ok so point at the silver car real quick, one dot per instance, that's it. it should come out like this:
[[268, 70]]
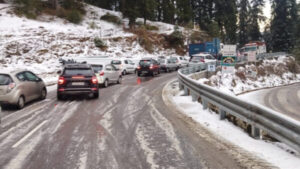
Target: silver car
[[106, 74], [167, 65], [19, 87]]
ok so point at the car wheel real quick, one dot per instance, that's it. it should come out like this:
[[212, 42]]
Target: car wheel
[[21, 102], [158, 71], [124, 72], [60, 97], [152, 74], [96, 95], [43, 94], [120, 80], [105, 83], [138, 74]]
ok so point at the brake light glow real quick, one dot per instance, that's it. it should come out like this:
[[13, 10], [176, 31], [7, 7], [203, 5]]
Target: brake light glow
[[61, 80], [101, 73], [94, 80], [151, 66], [139, 67]]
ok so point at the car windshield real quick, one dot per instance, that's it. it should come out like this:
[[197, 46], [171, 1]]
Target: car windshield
[[145, 62], [78, 71], [4, 79], [97, 68], [116, 62]]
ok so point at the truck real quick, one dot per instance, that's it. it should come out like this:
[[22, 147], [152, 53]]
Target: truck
[[206, 47], [252, 50]]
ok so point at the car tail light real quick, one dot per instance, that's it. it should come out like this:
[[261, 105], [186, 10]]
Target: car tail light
[[151, 66], [94, 80], [139, 67], [11, 86], [61, 80], [101, 73]]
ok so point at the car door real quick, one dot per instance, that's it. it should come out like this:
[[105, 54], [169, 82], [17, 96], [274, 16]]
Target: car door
[[115, 73], [34, 85], [109, 73]]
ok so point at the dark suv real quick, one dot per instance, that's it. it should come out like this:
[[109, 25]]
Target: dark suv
[[77, 79], [148, 66]]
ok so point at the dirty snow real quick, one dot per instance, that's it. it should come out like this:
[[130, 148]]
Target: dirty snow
[[275, 153], [271, 73], [38, 44]]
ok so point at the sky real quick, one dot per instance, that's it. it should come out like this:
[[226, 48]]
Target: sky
[[267, 12]]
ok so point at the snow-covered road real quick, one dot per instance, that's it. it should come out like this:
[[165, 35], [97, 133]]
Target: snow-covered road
[[129, 126]]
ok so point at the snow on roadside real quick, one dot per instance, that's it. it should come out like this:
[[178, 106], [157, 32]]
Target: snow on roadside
[[275, 153], [38, 44], [247, 78]]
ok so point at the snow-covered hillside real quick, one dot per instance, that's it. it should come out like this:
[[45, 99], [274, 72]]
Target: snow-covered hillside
[[270, 73], [38, 44]]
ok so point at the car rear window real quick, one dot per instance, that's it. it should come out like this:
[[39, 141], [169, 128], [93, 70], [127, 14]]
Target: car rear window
[[97, 68], [116, 62], [5, 79], [78, 71], [197, 58], [145, 62], [161, 60]]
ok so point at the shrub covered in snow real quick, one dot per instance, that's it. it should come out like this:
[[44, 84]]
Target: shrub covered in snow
[[111, 18]]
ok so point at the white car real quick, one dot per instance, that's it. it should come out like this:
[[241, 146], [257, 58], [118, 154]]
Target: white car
[[201, 60], [106, 74], [180, 61], [124, 65]]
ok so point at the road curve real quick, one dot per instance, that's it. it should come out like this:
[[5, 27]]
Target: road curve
[[128, 127], [284, 99]]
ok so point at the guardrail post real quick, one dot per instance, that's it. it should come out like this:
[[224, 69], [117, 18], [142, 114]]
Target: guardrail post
[[204, 103], [222, 114], [194, 97], [255, 132], [186, 91]]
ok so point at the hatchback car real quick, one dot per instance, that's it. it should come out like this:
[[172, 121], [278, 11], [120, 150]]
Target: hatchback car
[[19, 87], [77, 79], [125, 65], [167, 65], [106, 74], [148, 66]]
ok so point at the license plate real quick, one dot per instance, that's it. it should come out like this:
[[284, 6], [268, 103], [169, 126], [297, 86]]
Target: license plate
[[144, 72], [77, 83]]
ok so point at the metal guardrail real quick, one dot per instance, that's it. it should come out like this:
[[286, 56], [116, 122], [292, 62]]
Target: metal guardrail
[[260, 118]]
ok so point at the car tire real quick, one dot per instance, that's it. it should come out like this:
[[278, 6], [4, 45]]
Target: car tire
[[21, 102], [43, 94], [152, 74], [105, 84], [124, 72], [60, 97], [138, 74], [119, 80], [167, 70], [96, 95]]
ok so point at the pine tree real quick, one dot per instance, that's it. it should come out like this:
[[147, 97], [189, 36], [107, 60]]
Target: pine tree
[[131, 11], [184, 12], [168, 11], [243, 21], [256, 16], [147, 9], [283, 25]]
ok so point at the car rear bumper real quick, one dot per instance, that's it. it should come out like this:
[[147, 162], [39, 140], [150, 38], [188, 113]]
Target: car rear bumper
[[78, 91], [8, 99]]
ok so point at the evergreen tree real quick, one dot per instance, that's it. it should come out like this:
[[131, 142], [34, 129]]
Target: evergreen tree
[[256, 16], [147, 9], [184, 12], [243, 21], [283, 25], [131, 11], [168, 11]]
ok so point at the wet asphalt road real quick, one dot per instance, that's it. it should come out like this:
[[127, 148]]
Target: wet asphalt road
[[128, 127], [284, 99]]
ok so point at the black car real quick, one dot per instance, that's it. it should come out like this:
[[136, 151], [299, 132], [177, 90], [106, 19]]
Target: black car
[[148, 66], [77, 79]]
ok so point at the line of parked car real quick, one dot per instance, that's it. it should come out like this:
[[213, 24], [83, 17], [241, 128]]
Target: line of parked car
[[85, 75]]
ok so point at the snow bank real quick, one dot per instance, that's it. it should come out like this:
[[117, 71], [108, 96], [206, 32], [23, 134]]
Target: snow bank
[[270, 73]]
